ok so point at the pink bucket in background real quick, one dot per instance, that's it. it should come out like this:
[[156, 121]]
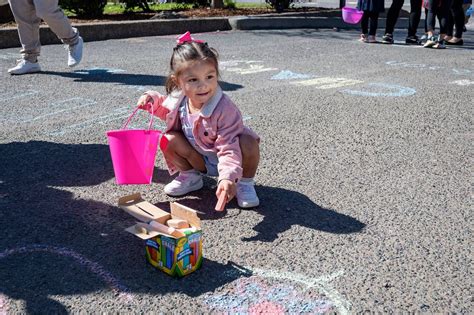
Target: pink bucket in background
[[133, 153], [351, 15]]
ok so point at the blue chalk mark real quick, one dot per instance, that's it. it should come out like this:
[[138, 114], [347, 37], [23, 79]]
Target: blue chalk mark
[[288, 75], [96, 70], [461, 71], [400, 91], [8, 96]]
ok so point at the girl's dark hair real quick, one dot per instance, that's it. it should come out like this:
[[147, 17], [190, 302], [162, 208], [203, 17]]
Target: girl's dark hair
[[185, 53]]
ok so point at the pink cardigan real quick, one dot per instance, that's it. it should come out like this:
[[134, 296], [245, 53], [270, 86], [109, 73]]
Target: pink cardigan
[[216, 130]]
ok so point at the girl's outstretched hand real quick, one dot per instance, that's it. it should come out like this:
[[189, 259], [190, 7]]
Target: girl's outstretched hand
[[145, 102], [229, 187]]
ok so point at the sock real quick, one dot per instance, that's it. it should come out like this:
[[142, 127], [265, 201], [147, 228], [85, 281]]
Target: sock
[[246, 180], [190, 172]]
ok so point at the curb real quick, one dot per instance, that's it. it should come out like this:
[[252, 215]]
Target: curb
[[126, 29]]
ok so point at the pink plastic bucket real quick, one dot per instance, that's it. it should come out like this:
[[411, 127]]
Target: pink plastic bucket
[[133, 153], [351, 15]]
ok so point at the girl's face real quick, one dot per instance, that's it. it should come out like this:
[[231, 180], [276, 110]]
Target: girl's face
[[198, 81]]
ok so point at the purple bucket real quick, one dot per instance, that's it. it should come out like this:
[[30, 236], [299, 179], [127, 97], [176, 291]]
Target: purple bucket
[[351, 15]]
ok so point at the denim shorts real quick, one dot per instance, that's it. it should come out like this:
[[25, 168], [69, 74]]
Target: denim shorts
[[211, 166]]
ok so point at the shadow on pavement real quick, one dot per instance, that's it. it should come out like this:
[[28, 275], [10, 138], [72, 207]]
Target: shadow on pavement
[[54, 242], [283, 208], [111, 76]]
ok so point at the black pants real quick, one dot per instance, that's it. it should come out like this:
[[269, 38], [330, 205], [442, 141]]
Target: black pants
[[394, 11], [440, 9], [374, 20], [456, 19]]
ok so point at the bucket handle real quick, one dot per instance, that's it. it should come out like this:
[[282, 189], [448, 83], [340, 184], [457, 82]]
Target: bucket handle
[[133, 114]]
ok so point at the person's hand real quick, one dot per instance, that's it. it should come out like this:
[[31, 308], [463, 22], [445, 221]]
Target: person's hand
[[145, 102], [229, 187]]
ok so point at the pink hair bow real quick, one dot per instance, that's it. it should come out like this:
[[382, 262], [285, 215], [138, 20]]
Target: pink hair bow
[[186, 37]]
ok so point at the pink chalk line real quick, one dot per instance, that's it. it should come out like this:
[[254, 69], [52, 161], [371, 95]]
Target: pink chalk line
[[3, 305], [123, 293]]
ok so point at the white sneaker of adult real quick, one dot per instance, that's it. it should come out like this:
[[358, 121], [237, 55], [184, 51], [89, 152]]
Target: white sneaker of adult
[[184, 183], [24, 66], [75, 53], [246, 194]]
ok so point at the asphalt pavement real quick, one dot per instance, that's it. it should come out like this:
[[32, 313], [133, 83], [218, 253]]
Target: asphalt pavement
[[364, 180]]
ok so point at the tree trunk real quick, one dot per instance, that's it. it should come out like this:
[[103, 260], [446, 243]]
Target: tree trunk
[[217, 4]]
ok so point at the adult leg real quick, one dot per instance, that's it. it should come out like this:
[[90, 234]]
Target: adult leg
[[50, 12], [250, 155], [364, 23], [415, 15], [444, 17], [431, 17], [392, 15], [430, 24], [28, 28], [450, 25], [374, 20], [458, 13]]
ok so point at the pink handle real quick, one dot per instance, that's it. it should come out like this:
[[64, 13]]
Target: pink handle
[[133, 114]]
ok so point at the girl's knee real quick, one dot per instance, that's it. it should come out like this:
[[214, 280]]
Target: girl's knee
[[177, 143], [249, 146]]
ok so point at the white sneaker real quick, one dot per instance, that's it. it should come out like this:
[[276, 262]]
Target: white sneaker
[[75, 53], [246, 194], [184, 183], [24, 66]]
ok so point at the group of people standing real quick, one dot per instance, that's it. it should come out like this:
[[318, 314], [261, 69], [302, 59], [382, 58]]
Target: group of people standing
[[451, 15]]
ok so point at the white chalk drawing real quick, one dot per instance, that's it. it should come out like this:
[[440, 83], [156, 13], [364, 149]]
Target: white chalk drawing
[[462, 71], [12, 95], [63, 106], [115, 285], [137, 87], [117, 114], [288, 75], [8, 56], [294, 294], [403, 64], [245, 67], [134, 40], [381, 90], [463, 82], [97, 70], [327, 82]]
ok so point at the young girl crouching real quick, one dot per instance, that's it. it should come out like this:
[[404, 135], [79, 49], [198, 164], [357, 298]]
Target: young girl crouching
[[204, 128]]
